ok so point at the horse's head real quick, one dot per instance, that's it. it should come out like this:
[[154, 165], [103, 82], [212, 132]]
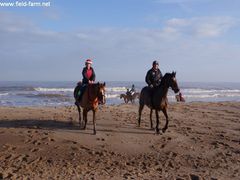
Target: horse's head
[[169, 80], [173, 82], [101, 93]]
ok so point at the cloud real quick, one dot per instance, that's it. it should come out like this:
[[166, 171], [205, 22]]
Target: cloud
[[203, 26], [34, 53]]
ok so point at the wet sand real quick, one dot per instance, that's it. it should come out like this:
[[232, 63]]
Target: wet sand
[[202, 142]]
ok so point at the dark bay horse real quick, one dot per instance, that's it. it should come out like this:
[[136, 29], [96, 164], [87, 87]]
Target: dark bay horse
[[93, 95], [127, 97], [124, 97], [156, 99]]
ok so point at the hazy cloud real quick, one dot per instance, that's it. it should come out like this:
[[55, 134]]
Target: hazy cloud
[[203, 26], [33, 53]]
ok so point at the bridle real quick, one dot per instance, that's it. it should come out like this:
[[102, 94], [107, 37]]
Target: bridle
[[101, 96]]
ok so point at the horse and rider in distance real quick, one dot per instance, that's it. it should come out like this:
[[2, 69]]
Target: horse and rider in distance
[[130, 95], [88, 94]]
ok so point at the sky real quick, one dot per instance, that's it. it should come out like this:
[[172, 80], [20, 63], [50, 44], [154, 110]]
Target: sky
[[199, 39]]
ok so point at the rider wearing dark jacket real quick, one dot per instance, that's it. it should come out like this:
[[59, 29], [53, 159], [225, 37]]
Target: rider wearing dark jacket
[[154, 75], [88, 73]]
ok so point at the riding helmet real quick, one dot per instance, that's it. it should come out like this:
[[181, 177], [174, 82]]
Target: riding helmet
[[155, 63]]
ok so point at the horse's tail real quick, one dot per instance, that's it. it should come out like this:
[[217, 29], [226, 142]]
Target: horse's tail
[[142, 95]]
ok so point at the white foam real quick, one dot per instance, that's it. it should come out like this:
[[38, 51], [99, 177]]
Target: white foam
[[199, 96], [116, 89], [197, 91], [112, 96], [54, 89], [3, 94]]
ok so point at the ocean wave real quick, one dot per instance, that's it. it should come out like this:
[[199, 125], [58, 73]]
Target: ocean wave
[[54, 89], [17, 88], [112, 96], [198, 91], [212, 95], [200, 96], [49, 95], [4, 94], [116, 89]]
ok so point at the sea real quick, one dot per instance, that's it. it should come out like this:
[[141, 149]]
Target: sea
[[61, 93]]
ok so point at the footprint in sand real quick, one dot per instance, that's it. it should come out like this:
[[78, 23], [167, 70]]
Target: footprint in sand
[[194, 177], [36, 142], [34, 150]]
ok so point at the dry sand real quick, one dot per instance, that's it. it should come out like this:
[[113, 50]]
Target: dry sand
[[202, 142]]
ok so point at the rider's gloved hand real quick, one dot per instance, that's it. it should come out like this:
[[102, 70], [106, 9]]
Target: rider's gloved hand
[[151, 86]]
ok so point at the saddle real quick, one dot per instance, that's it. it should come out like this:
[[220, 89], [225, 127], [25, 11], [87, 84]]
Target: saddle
[[79, 91]]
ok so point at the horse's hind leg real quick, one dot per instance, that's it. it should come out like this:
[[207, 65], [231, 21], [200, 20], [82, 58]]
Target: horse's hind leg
[[166, 116], [85, 118], [151, 123], [157, 121], [140, 113], [79, 113], [94, 122]]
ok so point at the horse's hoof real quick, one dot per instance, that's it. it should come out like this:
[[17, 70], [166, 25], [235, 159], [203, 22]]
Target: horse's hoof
[[164, 130], [94, 132]]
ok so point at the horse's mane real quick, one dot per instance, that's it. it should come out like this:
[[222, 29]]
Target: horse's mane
[[164, 79]]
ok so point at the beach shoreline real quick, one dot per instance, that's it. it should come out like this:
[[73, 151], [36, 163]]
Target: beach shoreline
[[202, 142]]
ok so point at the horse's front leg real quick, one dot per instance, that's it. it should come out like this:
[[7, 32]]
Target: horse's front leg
[[79, 113], [157, 121], [151, 123], [85, 118], [166, 116], [140, 113], [94, 122]]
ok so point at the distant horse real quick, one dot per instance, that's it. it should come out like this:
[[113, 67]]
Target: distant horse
[[93, 95], [127, 97], [124, 97], [157, 99]]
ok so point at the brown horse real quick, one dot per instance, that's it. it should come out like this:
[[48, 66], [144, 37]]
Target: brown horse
[[157, 99], [93, 95], [124, 97], [127, 97]]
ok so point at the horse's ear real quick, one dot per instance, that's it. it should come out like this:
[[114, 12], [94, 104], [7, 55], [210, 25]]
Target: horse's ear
[[174, 73], [98, 83], [104, 84]]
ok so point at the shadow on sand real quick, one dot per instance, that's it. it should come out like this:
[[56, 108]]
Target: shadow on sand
[[61, 125]]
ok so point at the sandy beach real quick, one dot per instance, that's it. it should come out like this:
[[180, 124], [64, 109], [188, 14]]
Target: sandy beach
[[202, 142]]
